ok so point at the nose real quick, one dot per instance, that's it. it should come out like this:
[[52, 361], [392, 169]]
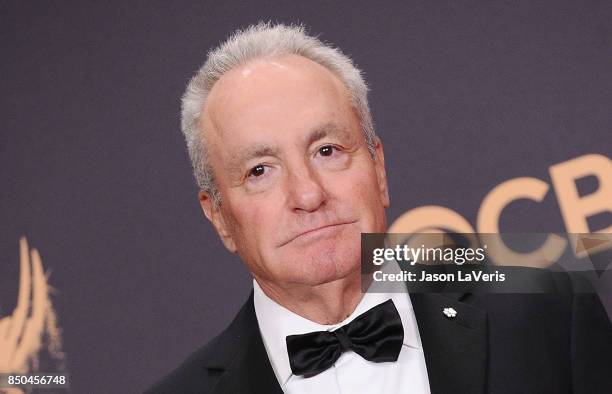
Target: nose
[[305, 190]]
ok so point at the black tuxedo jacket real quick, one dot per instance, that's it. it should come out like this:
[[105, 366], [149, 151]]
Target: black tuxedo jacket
[[497, 343]]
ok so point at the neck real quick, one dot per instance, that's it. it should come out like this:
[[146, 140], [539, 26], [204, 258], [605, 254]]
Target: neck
[[327, 303]]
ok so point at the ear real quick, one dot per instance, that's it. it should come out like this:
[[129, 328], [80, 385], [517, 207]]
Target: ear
[[214, 214], [381, 173]]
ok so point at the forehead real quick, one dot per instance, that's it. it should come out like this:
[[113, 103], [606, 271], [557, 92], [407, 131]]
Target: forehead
[[289, 93]]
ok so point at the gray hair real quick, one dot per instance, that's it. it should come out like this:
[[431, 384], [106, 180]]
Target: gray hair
[[263, 40]]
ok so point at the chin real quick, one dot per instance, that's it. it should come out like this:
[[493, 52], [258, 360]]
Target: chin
[[326, 263]]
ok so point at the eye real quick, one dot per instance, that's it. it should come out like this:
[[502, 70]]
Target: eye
[[327, 150], [257, 171]]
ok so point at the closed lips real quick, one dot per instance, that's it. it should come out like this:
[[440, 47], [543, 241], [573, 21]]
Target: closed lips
[[314, 229]]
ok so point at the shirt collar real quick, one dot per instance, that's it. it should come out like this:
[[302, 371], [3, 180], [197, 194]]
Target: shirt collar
[[276, 323]]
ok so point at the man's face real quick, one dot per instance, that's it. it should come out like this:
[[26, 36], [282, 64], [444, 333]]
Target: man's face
[[297, 182]]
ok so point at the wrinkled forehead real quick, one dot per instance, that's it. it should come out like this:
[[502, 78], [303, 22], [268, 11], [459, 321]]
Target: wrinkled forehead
[[271, 92]]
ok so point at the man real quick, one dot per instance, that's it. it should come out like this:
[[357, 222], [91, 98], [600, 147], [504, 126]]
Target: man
[[291, 173]]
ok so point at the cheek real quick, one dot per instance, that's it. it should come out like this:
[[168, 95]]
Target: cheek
[[253, 224], [360, 185], [363, 191]]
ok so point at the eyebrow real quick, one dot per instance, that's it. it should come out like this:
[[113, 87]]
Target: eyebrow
[[330, 129], [252, 152]]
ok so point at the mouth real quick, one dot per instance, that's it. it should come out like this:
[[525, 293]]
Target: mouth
[[316, 232]]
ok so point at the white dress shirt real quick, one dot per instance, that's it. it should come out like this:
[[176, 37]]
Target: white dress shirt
[[350, 373]]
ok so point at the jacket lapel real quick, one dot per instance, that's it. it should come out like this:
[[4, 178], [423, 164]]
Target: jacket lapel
[[455, 348], [249, 370]]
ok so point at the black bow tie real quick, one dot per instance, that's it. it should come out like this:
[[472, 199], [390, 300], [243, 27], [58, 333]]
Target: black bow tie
[[377, 335]]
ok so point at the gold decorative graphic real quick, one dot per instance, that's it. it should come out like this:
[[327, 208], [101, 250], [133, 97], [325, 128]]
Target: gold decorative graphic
[[575, 209], [32, 327], [592, 243]]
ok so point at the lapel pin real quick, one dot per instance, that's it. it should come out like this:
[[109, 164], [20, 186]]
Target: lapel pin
[[450, 312]]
